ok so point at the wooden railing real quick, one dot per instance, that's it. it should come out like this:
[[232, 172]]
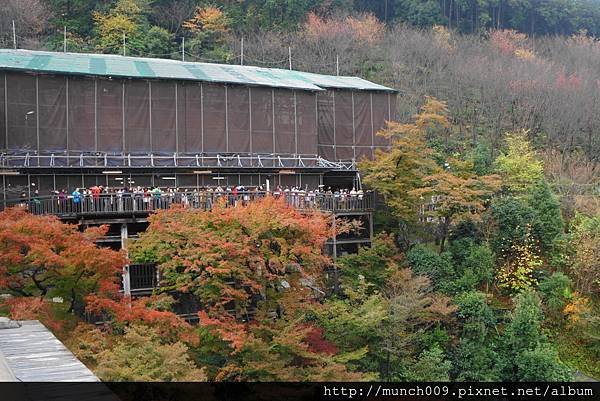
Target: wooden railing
[[119, 204]]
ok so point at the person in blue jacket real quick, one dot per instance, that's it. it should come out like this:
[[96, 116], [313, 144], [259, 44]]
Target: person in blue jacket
[[76, 197]]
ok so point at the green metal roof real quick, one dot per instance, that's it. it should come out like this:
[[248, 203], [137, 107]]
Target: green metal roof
[[151, 68]]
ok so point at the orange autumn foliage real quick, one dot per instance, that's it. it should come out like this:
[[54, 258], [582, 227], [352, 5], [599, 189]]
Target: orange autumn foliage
[[253, 268], [125, 311], [207, 19], [364, 29], [40, 256], [230, 255], [32, 308]]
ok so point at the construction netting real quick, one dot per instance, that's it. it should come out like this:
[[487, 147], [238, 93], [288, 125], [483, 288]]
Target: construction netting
[[69, 114]]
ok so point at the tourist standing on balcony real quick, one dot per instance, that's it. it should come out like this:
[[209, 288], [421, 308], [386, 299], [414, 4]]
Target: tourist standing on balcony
[[218, 193], [195, 198], [120, 199], [95, 190], [234, 196], [76, 198], [258, 192], [62, 200], [209, 197], [184, 197], [138, 198], [156, 196], [295, 197], [145, 198], [353, 196]]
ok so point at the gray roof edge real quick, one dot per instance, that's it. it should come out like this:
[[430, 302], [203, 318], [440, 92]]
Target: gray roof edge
[[125, 76]]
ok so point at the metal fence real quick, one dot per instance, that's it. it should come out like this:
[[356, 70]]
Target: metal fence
[[143, 277], [16, 159]]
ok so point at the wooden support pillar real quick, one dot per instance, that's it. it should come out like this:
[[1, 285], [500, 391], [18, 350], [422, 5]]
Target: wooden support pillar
[[125, 276], [371, 228], [334, 239]]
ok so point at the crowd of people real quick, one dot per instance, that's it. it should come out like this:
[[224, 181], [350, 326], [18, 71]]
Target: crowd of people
[[100, 198]]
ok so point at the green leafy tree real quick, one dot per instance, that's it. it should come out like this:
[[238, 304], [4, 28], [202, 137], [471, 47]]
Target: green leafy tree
[[476, 358], [473, 265], [518, 165], [439, 268], [482, 159], [524, 331], [159, 43], [395, 174], [466, 229], [540, 364], [371, 264], [391, 323], [125, 19], [556, 292], [512, 219], [76, 15], [465, 266], [354, 322], [548, 224], [141, 355], [524, 342], [432, 366], [476, 361]]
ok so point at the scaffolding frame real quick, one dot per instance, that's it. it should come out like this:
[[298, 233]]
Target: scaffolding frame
[[17, 160]]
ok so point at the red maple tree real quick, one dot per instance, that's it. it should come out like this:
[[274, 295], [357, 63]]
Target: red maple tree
[[42, 257]]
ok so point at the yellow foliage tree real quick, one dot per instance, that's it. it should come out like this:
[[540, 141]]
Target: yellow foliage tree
[[456, 196], [141, 355], [123, 19], [207, 19], [585, 266], [396, 173], [519, 165], [209, 28], [517, 273]]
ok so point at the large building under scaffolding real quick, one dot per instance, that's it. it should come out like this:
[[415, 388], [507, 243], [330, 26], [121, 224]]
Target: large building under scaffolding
[[69, 119], [72, 120]]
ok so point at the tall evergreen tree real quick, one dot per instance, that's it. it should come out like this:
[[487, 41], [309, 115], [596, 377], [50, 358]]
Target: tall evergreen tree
[[549, 223], [527, 355]]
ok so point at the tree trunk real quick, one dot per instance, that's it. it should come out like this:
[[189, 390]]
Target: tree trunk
[[72, 301]]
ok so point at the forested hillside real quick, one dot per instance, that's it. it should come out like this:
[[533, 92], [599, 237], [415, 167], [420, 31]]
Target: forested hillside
[[487, 262]]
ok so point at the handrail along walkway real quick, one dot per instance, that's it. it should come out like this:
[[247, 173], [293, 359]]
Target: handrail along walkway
[[118, 204]]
